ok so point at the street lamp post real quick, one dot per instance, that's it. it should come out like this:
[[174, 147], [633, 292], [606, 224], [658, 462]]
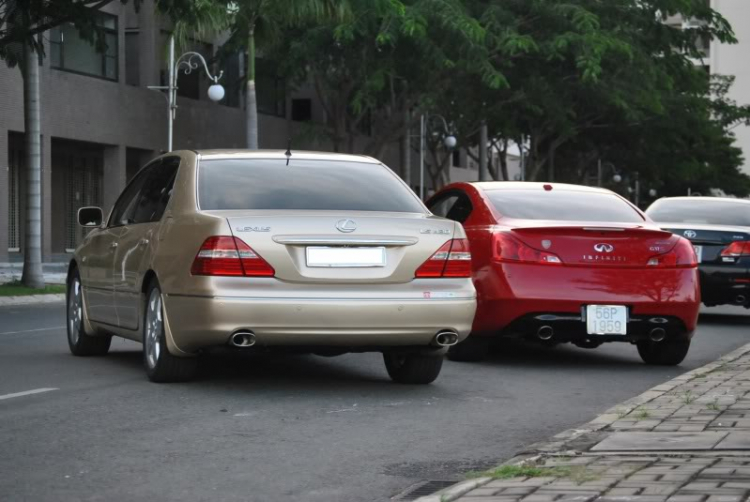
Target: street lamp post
[[448, 140], [188, 62]]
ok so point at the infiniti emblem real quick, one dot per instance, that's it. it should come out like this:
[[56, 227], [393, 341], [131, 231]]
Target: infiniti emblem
[[346, 226], [690, 234], [604, 248]]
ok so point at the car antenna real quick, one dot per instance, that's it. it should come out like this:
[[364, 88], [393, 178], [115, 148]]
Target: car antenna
[[288, 152]]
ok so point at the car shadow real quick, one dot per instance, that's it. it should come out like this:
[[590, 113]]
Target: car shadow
[[525, 353]]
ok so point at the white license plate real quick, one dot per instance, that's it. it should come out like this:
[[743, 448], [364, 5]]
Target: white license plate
[[606, 319], [341, 257], [699, 253]]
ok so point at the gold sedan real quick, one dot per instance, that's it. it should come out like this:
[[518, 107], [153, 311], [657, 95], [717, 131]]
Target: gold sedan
[[314, 252]]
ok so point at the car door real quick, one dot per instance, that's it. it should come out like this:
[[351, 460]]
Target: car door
[[132, 256], [99, 255]]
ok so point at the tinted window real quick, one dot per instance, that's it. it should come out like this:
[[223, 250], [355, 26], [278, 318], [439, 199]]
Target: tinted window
[[713, 212], [563, 205], [303, 184], [122, 213], [156, 191], [441, 206]]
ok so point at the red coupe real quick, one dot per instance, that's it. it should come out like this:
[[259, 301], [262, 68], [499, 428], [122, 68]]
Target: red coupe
[[567, 263]]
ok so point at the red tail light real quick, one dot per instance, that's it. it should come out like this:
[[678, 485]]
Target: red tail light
[[453, 259], [510, 249], [681, 256], [737, 249], [229, 256]]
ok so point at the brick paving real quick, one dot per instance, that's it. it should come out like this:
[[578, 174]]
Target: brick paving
[[687, 440]]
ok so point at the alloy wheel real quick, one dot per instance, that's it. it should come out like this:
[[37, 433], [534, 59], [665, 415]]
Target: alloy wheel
[[154, 327]]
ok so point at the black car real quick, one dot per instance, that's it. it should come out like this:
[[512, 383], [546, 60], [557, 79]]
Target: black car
[[719, 229]]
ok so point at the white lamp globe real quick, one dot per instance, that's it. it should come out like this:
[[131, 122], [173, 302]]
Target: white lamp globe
[[652, 192], [617, 178], [216, 92], [450, 141]]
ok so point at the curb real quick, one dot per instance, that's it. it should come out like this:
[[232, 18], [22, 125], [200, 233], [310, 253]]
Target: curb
[[558, 442], [8, 301]]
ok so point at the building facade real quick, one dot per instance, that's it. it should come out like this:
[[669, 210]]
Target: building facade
[[725, 59]]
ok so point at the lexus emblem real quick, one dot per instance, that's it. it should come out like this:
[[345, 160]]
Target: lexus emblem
[[346, 226], [690, 234], [604, 248]]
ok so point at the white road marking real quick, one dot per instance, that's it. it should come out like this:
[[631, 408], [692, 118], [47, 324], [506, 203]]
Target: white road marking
[[26, 393], [31, 330]]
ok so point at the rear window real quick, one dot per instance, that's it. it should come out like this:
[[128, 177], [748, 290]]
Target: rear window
[[303, 184], [712, 212], [563, 205]]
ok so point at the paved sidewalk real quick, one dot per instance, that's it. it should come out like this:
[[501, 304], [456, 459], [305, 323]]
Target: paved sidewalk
[[687, 440], [54, 273]]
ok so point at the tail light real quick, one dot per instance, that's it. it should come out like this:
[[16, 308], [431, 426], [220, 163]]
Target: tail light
[[453, 259], [681, 256], [737, 249], [229, 256], [509, 249]]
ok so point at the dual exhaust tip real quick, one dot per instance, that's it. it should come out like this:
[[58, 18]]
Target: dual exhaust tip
[[546, 333], [242, 339]]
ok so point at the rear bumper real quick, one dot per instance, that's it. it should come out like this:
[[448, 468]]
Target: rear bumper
[[199, 322], [725, 284], [510, 295]]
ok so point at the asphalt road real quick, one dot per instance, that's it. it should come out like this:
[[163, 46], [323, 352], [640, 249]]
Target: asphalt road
[[289, 428]]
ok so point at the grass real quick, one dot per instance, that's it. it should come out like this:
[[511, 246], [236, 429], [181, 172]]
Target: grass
[[15, 288], [714, 405], [578, 474], [642, 414], [688, 397]]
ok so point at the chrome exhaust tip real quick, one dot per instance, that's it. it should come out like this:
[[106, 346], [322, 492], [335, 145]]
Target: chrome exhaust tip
[[242, 339], [740, 300], [446, 338], [545, 332], [657, 334]]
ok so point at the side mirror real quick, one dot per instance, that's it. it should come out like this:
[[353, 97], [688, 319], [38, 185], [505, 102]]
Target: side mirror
[[90, 216]]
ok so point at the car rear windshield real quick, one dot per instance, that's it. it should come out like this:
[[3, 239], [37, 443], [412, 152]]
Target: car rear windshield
[[563, 205], [712, 212], [303, 184]]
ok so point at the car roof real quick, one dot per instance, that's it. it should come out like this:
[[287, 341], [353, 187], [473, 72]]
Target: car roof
[[705, 199], [281, 155], [488, 186]]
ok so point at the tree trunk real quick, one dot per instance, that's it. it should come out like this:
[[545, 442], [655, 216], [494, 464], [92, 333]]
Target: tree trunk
[[251, 105], [33, 276], [406, 151], [504, 160]]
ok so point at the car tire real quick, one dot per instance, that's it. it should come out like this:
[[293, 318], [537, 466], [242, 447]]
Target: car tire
[[667, 353], [471, 350], [80, 343], [413, 367], [161, 366]]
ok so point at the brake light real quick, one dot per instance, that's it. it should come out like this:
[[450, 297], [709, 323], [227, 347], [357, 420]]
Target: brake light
[[510, 249], [453, 259], [737, 249], [229, 256], [682, 255]]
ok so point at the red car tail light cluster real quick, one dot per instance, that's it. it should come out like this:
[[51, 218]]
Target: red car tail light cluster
[[509, 249], [229, 256], [682, 255], [453, 259], [737, 249]]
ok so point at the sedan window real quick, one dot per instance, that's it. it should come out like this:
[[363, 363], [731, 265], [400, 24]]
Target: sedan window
[[122, 213], [304, 184], [712, 212], [156, 192], [563, 205]]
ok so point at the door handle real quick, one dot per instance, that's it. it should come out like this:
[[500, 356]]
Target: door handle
[[113, 245], [144, 242]]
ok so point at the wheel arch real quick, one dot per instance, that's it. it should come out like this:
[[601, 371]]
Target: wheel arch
[[73, 265]]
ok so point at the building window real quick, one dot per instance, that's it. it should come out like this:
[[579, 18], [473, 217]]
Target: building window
[[70, 52], [132, 58], [302, 110], [269, 89], [456, 158]]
